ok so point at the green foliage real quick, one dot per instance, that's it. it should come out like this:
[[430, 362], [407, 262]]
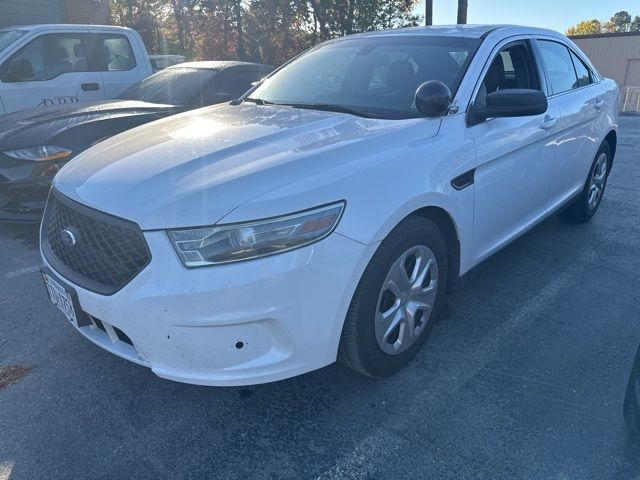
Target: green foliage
[[620, 22], [267, 31]]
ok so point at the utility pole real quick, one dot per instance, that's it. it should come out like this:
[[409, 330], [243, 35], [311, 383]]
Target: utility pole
[[462, 11], [428, 12]]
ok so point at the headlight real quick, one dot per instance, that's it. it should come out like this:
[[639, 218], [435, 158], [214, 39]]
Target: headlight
[[232, 243], [39, 154]]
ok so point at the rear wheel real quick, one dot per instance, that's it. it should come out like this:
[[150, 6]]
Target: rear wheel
[[585, 206], [397, 299], [632, 398]]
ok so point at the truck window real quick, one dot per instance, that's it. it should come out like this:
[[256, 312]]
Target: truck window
[[114, 53], [7, 37], [46, 57]]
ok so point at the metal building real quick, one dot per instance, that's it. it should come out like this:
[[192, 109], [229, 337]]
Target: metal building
[[27, 12], [617, 56]]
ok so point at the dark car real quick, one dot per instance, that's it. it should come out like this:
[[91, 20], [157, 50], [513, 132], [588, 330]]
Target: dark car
[[35, 143], [632, 399]]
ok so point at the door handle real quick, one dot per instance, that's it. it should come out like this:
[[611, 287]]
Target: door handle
[[89, 87], [549, 123], [599, 103]]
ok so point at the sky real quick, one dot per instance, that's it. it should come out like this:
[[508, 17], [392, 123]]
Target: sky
[[554, 14]]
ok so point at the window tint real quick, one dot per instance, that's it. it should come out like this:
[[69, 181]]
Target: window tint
[[378, 76], [46, 57], [171, 86], [562, 75], [7, 37], [584, 74], [114, 53], [513, 67]]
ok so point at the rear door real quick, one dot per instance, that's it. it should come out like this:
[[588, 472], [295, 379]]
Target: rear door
[[116, 60], [574, 87], [515, 155], [52, 69]]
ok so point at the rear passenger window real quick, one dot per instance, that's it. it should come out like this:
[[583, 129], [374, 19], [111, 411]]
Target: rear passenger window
[[584, 74], [562, 74], [114, 53], [46, 57]]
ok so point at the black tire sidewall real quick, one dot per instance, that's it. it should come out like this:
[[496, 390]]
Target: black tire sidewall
[[604, 148], [411, 232]]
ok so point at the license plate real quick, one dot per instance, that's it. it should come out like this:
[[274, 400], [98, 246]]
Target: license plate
[[60, 298]]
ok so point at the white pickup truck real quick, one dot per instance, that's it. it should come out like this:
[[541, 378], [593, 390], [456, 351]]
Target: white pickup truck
[[44, 65]]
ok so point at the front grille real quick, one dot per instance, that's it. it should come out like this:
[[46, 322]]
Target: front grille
[[108, 251]]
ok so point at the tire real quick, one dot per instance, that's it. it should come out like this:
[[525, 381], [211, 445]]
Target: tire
[[415, 245], [632, 399], [582, 209]]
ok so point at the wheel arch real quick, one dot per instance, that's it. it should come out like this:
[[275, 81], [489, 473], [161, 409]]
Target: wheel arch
[[612, 139], [445, 223]]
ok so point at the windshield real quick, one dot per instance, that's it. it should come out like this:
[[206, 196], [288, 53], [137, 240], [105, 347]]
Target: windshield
[[376, 76], [172, 86], [7, 37]]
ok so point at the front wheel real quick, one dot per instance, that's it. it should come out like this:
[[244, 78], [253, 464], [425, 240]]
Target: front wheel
[[583, 208], [397, 299]]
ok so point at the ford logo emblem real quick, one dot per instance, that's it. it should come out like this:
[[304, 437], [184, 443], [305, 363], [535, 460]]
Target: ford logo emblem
[[68, 237]]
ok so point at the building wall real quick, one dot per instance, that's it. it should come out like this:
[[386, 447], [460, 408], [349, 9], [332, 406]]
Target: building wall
[[615, 56], [95, 12], [25, 12]]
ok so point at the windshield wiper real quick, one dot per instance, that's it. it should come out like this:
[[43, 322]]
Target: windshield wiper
[[327, 107], [258, 101]]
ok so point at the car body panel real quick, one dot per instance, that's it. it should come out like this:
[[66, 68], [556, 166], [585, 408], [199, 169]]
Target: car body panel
[[42, 126], [223, 156], [240, 163]]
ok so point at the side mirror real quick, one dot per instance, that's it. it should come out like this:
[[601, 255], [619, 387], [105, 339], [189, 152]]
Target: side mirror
[[19, 70], [510, 103], [433, 99]]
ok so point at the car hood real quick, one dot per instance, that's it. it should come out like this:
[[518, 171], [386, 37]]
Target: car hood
[[36, 126], [193, 169]]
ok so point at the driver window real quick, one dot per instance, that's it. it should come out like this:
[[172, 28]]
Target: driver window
[[512, 68], [46, 57]]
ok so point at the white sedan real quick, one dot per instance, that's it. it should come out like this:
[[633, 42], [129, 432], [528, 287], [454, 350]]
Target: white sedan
[[325, 214]]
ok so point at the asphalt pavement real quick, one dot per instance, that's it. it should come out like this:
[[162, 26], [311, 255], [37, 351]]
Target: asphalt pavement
[[524, 377]]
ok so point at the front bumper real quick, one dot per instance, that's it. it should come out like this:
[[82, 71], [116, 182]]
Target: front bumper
[[237, 324], [24, 187], [24, 201]]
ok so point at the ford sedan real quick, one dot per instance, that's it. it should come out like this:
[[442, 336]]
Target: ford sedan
[[325, 214]]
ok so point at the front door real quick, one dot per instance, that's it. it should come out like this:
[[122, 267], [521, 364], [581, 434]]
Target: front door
[[515, 156], [52, 69]]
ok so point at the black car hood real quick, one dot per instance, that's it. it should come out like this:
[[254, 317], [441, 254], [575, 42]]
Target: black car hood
[[37, 126]]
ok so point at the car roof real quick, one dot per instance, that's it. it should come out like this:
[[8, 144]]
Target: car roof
[[217, 65], [467, 31], [64, 26]]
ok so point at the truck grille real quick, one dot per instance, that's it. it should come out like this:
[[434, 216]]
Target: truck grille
[[92, 249]]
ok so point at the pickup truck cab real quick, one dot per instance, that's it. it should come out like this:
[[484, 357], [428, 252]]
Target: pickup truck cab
[[43, 65]]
